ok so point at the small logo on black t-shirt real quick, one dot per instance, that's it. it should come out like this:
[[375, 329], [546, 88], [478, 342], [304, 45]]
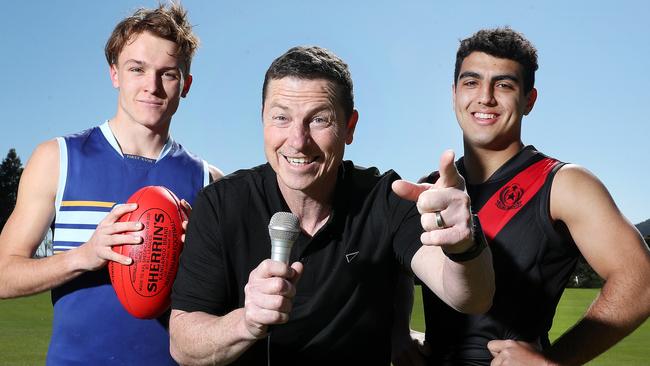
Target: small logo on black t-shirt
[[510, 197], [350, 256]]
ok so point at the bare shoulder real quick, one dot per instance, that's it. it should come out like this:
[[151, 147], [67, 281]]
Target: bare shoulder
[[215, 172], [577, 191], [573, 173], [46, 151], [583, 203], [43, 165], [34, 209], [598, 227]]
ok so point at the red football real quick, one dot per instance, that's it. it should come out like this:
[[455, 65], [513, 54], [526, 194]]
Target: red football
[[144, 287]]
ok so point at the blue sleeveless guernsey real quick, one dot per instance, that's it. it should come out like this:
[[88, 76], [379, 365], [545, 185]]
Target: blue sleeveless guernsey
[[90, 326]]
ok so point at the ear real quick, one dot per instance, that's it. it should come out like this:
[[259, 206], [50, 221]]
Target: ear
[[530, 102], [186, 85], [112, 70], [351, 125]]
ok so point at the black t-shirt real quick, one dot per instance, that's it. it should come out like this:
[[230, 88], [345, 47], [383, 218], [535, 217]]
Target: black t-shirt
[[343, 309], [533, 259]]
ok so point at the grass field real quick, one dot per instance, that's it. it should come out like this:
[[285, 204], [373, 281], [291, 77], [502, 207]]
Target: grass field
[[634, 350], [25, 329]]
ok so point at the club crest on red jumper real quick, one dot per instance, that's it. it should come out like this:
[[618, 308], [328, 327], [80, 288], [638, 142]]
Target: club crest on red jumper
[[510, 197]]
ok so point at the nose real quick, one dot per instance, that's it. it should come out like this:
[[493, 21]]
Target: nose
[[299, 135], [153, 83], [486, 96]]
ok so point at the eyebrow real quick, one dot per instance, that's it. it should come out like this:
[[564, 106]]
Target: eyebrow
[[325, 108], [472, 74], [469, 74], [143, 63], [278, 105], [134, 61], [512, 78]]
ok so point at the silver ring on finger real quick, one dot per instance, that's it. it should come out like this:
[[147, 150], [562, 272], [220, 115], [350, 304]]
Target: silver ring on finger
[[440, 223]]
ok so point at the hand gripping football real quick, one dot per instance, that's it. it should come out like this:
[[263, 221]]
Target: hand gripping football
[[144, 287]]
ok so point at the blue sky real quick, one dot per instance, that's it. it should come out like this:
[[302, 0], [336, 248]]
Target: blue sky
[[593, 80]]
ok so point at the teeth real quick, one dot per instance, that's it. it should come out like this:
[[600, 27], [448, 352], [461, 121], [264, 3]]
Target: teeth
[[298, 160], [485, 115]]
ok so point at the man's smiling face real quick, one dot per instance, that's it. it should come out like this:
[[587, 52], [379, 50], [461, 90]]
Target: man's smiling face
[[305, 133], [490, 102]]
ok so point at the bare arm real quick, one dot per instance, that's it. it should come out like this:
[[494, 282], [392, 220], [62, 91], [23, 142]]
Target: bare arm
[[198, 338], [466, 286], [616, 251], [20, 274]]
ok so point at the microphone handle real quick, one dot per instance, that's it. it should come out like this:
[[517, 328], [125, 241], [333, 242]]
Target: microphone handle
[[280, 250]]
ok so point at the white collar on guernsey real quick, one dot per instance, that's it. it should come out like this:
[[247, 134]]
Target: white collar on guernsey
[[108, 134]]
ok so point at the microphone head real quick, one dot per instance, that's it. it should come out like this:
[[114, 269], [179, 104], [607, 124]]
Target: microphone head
[[284, 226]]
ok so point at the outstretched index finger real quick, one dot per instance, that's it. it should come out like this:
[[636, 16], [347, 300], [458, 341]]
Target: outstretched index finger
[[449, 176], [409, 191]]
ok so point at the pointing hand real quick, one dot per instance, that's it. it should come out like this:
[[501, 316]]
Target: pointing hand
[[444, 207]]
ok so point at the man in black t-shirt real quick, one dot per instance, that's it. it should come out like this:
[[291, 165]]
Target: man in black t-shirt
[[334, 304], [539, 215]]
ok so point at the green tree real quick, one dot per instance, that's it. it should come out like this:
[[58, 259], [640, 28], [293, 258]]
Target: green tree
[[10, 172]]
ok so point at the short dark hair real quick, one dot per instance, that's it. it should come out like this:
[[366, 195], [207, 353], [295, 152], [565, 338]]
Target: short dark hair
[[169, 23], [313, 62], [502, 43]]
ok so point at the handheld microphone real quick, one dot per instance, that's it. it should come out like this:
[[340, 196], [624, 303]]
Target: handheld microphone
[[284, 229]]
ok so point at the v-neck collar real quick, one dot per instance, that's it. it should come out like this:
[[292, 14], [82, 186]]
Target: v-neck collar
[[110, 137]]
